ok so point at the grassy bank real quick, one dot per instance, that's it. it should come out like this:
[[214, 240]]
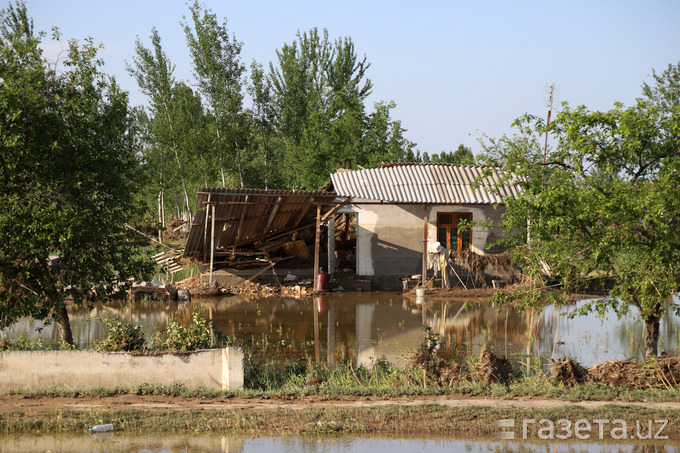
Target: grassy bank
[[413, 420], [524, 388]]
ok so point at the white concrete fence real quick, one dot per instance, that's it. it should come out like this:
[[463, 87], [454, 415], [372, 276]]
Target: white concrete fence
[[220, 369]]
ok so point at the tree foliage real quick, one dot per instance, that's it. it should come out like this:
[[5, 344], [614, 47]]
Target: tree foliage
[[68, 175], [603, 203]]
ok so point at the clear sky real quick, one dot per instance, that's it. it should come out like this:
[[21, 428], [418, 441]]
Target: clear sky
[[455, 69]]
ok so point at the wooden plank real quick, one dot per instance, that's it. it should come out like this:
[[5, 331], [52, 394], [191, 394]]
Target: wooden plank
[[212, 247], [303, 213], [317, 247], [261, 272], [335, 209], [242, 219], [272, 215]]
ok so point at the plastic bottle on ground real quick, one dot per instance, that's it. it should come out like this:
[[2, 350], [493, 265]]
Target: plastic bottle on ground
[[101, 428]]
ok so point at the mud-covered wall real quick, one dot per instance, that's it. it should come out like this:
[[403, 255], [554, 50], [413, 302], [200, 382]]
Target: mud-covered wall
[[390, 237]]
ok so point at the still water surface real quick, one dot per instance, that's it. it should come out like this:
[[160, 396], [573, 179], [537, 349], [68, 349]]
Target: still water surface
[[368, 326], [115, 442]]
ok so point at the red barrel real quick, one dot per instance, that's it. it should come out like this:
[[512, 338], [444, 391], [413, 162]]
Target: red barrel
[[322, 281]]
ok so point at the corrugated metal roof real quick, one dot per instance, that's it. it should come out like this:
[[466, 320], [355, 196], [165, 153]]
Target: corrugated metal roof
[[246, 215], [425, 183]]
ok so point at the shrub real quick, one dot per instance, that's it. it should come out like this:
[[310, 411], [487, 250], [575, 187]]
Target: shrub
[[176, 336], [122, 336]]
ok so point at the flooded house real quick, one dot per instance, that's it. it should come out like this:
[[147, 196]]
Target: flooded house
[[405, 212], [369, 228]]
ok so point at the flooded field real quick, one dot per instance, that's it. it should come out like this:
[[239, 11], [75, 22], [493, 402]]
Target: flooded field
[[369, 326], [119, 442]]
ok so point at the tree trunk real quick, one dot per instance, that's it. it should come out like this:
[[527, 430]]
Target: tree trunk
[[652, 339], [238, 159], [65, 326], [161, 216]]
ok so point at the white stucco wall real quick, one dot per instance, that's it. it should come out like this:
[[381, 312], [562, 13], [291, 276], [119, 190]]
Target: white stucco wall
[[390, 237], [220, 369]]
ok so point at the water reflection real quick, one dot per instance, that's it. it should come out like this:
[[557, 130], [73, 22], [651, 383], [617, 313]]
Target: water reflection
[[312, 444], [369, 326]]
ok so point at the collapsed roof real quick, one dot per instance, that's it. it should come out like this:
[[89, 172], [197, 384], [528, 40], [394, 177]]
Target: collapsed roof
[[247, 217]]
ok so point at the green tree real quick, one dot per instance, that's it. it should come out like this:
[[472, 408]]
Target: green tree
[[384, 139], [68, 176], [665, 91], [319, 88], [153, 72], [462, 156], [220, 76], [605, 203], [267, 154]]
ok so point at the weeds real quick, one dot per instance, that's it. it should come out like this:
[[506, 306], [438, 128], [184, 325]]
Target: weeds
[[122, 336], [180, 337]]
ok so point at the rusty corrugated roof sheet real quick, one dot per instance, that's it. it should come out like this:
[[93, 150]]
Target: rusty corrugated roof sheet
[[246, 215], [425, 183]]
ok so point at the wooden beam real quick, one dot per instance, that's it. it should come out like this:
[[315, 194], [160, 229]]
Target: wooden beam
[[335, 209], [205, 229], [317, 247], [240, 223], [261, 272], [303, 213], [272, 214], [212, 246]]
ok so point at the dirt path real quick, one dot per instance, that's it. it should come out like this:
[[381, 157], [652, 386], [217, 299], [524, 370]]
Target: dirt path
[[150, 402]]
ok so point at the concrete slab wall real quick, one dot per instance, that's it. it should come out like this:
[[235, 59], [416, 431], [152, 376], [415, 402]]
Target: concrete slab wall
[[220, 369]]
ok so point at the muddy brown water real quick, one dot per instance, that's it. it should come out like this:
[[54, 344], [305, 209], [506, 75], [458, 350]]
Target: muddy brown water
[[369, 326], [119, 442]]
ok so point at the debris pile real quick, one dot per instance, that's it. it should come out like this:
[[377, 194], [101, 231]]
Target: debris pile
[[477, 267], [491, 369], [568, 372], [661, 372], [155, 289]]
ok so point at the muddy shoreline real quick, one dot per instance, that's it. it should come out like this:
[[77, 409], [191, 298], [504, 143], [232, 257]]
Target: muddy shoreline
[[453, 415]]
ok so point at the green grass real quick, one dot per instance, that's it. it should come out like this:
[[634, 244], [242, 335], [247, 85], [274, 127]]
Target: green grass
[[517, 389], [423, 420]]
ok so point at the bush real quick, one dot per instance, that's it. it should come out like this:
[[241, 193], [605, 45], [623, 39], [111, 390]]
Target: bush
[[122, 336], [178, 337]]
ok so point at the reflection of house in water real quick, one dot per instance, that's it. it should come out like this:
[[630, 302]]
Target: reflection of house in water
[[462, 329]]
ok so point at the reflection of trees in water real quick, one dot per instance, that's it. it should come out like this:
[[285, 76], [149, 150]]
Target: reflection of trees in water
[[590, 339], [87, 328]]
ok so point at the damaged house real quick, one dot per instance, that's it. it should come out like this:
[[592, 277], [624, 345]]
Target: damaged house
[[373, 226], [402, 210]]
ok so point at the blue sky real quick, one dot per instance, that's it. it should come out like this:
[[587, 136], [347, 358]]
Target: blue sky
[[455, 69]]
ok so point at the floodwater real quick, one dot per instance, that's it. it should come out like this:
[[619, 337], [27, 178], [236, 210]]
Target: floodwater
[[120, 442], [370, 326]]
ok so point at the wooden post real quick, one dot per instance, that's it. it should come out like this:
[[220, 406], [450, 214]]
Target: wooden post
[[212, 244], [331, 245], [205, 229], [317, 247], [423, 276]]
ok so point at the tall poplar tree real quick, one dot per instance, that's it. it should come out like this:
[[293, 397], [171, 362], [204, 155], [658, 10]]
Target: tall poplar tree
[[220, 76]]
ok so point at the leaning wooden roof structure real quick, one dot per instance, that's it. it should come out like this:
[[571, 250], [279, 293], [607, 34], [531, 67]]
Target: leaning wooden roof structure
[[251, 216]]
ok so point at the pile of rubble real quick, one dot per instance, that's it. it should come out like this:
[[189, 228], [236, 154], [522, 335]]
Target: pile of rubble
[[157, 290]]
